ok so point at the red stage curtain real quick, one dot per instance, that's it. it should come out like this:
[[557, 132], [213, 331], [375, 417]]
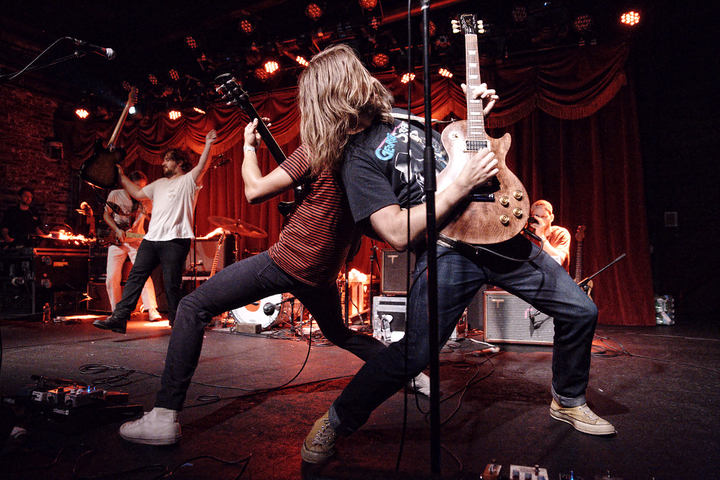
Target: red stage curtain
[[572, 118]]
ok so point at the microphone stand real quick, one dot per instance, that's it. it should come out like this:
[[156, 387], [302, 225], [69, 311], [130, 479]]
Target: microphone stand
[[431, 238]]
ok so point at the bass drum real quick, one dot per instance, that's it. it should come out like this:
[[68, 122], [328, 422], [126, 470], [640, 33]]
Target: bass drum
[[255, 312]]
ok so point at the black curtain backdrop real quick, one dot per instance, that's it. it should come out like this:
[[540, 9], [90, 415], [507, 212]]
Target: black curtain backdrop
[[573, 121]]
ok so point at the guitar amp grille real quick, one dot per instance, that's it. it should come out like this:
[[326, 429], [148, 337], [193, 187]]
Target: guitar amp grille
[[509, 319]]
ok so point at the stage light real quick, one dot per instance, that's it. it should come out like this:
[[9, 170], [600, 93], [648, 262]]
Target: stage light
[[261, 74], [246, 26], [174, 114], [407, 77], [301, 60], [126, 85], [380, 60], [313, 11], [368, 4], [153, 79], [582, 23], [519, 14], [271, 66], [630, 18], [174, 75], [82, 113], [132, 110], [445, 72], [190, 41], [432, 29]]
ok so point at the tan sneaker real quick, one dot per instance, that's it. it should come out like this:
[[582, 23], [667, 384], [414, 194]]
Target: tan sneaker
[[319, 445], [159, 426], [420, 384], [582, 418]]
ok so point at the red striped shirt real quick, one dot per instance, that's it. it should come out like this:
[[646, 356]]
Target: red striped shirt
[[316, 236]]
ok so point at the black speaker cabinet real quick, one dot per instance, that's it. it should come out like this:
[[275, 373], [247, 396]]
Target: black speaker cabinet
[[389, 314], [511, 320], [99, 300], [394, 271], [202, 253]]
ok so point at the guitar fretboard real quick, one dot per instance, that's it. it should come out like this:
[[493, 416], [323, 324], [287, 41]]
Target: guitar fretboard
[[476, 136]]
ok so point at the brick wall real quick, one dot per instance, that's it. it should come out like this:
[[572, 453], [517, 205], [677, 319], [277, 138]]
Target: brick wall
[[26, 123]]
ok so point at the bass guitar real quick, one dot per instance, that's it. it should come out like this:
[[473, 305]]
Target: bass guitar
[[232, 91], [588, 285], [498, 210], [100, 170], [111, 238]]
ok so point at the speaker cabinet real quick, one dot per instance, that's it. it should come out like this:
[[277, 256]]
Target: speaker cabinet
[[99, 301], [394, 271], [389, 318], [511, 320], [202, 254]]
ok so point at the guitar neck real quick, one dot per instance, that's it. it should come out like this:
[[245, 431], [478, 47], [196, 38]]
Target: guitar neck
[[267, 137], [121, 121], [476, 136], [578, 262]]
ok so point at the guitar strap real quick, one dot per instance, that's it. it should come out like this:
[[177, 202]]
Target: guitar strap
[[475, 252]]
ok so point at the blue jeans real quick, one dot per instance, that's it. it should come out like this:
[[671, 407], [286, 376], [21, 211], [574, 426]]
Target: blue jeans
[[237, 285], [541, 282], [170, 255]]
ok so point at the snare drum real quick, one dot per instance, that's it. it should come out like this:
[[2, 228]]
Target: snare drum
[[255, 312]]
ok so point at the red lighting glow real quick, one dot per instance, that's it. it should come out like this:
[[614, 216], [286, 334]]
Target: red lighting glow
[[630, 18], [271, 66], [82, 113], [408, 77], [174, 114]]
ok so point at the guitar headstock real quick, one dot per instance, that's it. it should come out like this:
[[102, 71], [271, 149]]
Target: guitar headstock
[[467, 24], [132, 97], [231, 90], [580, 234]]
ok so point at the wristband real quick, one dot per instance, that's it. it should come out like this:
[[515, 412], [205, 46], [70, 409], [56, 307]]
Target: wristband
[[248, 149]]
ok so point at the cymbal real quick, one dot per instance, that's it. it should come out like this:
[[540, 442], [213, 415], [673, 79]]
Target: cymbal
[[238, 226]]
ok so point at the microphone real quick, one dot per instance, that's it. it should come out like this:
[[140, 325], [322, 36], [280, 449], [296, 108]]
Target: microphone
[[222, 162], [269, 308], [108, 53]]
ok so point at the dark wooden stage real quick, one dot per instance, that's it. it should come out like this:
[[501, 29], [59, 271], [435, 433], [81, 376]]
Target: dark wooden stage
[[659, 386]]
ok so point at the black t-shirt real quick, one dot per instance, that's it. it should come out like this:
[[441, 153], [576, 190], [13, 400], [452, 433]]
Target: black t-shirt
[[377, 171], [21, 223]]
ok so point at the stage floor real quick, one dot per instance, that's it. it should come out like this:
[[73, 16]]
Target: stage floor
[[659, 386]]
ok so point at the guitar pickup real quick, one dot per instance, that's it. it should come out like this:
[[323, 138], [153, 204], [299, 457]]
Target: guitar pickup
[[482, 197]]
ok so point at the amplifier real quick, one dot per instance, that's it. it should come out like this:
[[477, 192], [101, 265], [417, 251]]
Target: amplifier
[[511, 320], [394, 271], [202, 253], [99, 300], [389, 318]]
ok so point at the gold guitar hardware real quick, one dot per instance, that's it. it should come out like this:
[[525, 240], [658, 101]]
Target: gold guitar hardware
[[518, 212], [504, 219], [518, 195], [504, 201]]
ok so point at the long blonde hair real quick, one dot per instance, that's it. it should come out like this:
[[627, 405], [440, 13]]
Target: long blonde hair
[[334, 91]]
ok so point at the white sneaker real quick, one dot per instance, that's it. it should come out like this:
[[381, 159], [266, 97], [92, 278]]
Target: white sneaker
[[420, 384], [154, 315], [159, 426]]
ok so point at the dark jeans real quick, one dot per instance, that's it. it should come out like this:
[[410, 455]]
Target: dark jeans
[[541, 282], [171, 256], [237, 285]]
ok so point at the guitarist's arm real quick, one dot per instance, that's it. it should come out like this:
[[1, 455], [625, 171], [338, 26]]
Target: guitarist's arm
[[259, 188], [131, 187], [108, 217], [199, 171], [391, 222]]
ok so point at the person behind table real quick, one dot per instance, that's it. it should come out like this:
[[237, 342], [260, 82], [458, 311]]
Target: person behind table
[[123, 215], [21, 221], [376, 189], [170, 233]]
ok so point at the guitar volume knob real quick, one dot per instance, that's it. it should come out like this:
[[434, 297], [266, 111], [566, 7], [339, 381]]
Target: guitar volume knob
[[504, 219], [504, 201], [518, 212], [518, 194]]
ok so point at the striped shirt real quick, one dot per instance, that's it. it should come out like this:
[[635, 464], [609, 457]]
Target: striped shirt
[[316, 236]]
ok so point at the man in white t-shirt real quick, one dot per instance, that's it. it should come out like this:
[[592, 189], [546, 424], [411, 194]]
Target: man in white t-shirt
[[126, 219], [167, 241]]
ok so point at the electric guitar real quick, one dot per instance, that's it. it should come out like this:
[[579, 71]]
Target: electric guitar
[[110, 237], [213, 269], [232, 91], [498, 210], [586, 286], [100, 170]]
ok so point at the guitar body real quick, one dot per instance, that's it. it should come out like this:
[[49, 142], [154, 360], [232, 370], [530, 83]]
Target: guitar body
[[110, 238], [100, 170], [498, 212]]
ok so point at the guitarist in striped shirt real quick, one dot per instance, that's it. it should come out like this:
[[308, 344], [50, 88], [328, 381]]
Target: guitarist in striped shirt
[[313, 245]]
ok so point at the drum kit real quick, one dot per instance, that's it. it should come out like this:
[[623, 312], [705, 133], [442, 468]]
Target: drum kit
[[269, 311]]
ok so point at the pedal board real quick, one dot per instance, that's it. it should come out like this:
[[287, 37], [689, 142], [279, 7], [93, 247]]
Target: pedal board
[[528, 473]]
